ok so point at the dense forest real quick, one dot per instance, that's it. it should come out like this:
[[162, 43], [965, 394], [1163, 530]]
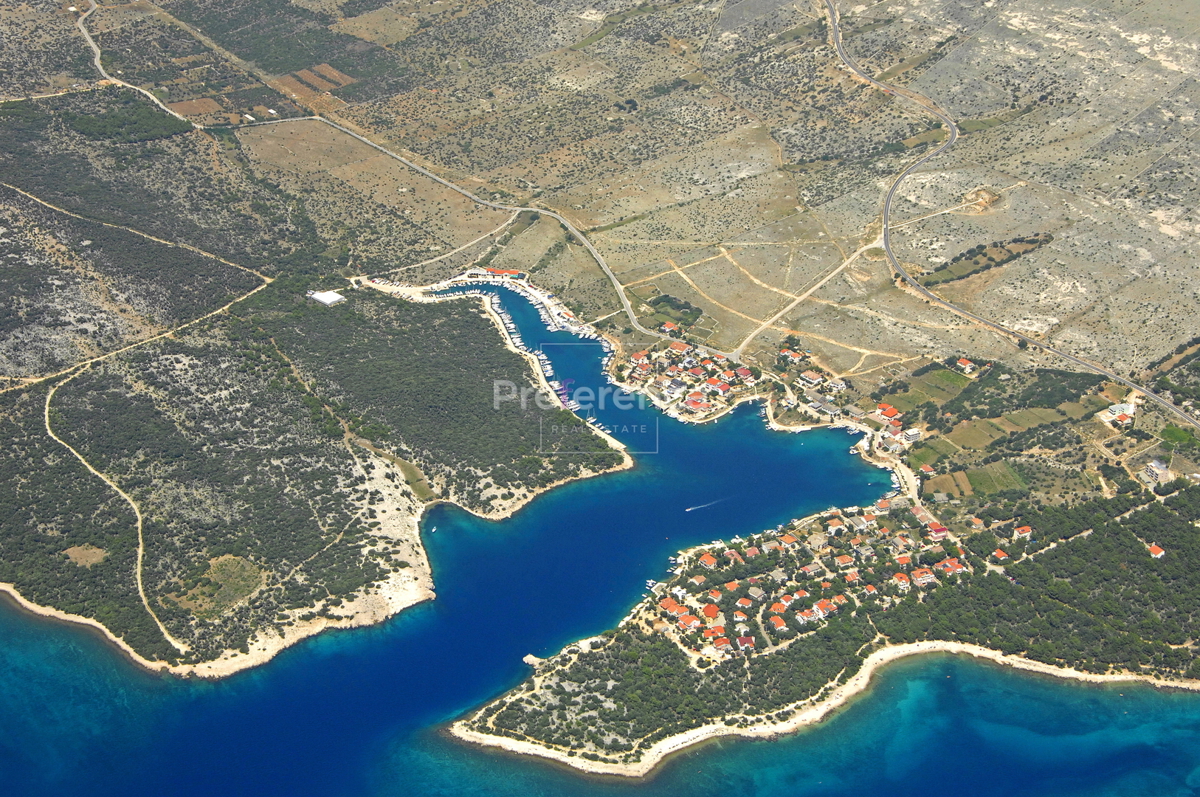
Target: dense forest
[[418, 379]]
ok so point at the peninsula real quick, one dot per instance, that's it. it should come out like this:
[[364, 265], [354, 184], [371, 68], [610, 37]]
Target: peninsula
[[766, 632]]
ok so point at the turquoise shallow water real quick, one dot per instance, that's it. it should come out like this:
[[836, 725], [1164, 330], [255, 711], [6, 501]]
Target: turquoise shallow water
[[357, 713]]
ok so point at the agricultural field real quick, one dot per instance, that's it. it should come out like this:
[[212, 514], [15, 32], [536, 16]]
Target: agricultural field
[[937, 386]]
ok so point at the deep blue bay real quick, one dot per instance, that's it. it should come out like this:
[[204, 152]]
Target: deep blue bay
[[358, 712]]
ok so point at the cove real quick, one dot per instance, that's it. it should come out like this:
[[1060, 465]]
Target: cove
[[356, 712]]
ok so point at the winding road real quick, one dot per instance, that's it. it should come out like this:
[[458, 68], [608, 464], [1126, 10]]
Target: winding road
[[928, 106], [921, 101]]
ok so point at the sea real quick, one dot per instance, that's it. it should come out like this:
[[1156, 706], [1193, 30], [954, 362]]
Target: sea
[[363, 712]]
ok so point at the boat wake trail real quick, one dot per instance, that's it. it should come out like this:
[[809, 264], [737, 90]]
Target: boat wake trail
[[702, 506]]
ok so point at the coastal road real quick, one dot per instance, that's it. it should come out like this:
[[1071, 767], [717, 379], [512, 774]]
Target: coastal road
[[928, 106]]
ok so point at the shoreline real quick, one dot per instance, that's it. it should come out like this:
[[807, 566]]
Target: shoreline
[[400, 591], [805, 713], [508, 508], [374, 607]]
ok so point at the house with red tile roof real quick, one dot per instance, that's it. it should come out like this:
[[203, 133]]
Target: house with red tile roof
[[734, 556], [1000, 555], [870, 590], [698, 580], [669, 327], [950, 566], [902, 581], [745, 642], [923, 576], [708, 560], [731, 586], [807, 616], [843, 560], [812, 378], [680, 347], [752, 552], [723, 645], [1156, 552], [787, 540], [777, 608], [715, 594], [824, 607], [1022, 533], [697, 406], [926, 469], [777, 623], [640, 357], [745, 603], [966, 365], [904, 561], [718, 630], [801, 593], [840, 600], [976, 523], [711, 611], [792, 357], [741, 616], [852, 576], [689, 622]]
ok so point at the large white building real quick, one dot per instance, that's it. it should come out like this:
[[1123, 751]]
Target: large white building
[[328, 298]]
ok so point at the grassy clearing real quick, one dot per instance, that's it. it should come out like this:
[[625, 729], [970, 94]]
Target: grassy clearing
[[415, 479], [943, 446], [942, 484], [938, 386], [975, 125], [905, 65], [994, 478], [948, 377], [1084, 407], [922, 455], [1029, 418], [228, 581], [975, 434], [925, 138]]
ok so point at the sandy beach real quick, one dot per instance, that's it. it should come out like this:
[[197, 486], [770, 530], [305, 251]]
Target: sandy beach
[[803, 714]]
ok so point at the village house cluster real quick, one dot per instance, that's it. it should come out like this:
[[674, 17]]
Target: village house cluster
[[683, 379], [754, 596]]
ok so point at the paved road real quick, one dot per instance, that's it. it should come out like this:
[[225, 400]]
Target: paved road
[[928, 106]]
